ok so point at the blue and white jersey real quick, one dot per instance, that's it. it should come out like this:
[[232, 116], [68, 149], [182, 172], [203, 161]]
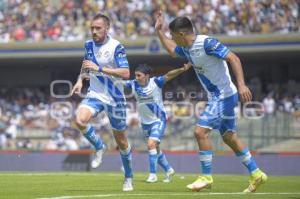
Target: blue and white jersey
[[110, 54], [207, 56], [149, 99]]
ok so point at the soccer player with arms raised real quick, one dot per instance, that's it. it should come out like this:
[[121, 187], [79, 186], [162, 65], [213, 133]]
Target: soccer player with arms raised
[[209, 58], [106, 60], [148, 93]]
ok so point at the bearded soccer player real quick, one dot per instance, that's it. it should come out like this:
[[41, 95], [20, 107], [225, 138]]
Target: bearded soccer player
[[106, 60]]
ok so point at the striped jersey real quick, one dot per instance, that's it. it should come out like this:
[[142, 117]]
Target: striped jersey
[[207, 56], [149, 99], [111, 54]]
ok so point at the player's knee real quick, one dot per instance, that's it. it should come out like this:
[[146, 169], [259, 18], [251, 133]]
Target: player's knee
[[151, 144], [123, 145], [81, 122], [122, 142], [229, 138], [199, 134]]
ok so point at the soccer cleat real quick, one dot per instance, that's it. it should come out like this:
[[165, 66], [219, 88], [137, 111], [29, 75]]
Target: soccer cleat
[[256, 179], [127, 185], [98, 157], [152, 178], [169, 175], [203, 182]]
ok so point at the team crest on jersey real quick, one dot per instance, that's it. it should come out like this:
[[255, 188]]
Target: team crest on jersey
[[106, 54]]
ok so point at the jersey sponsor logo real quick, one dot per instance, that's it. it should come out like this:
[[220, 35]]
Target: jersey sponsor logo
[[196, 52], [90, 53], [199, 69], [216, 46], [146, 99], [121, 55]]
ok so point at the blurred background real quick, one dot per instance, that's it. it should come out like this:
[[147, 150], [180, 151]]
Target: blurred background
[[41, 49]]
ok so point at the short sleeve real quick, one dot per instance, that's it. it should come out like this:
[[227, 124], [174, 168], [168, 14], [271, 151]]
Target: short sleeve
[[179, 51], [215, 48], [88, 50], [120, 57], [85, 53], [128, 84], [160, 81]]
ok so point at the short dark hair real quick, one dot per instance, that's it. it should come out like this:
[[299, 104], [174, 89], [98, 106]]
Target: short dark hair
[[181, 24], [102, 16], [144, 68]]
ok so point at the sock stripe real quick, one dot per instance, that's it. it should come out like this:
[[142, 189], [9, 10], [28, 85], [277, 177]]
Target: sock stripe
[[205, 158], [247, 160], [153, 152], [206, 161], [126, 151]]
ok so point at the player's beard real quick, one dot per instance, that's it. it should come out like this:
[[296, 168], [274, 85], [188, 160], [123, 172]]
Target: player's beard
[[98, 39]]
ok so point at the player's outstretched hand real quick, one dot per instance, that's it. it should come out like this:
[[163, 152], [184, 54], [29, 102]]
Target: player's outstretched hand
[[245, 93], [77, 87], [89, 65], [159, 20], [187, 66]]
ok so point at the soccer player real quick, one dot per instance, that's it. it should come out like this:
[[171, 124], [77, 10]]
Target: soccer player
[[148, 93], [209, 57], [107, 57]]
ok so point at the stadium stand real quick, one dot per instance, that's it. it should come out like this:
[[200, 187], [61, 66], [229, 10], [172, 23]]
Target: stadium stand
[[67, 20]]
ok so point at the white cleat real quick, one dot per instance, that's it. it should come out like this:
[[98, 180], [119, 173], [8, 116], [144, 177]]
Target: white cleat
[[169, 175], [98, 158], [127, 185], [152, 178]]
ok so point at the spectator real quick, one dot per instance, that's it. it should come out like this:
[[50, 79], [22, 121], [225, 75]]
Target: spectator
[[67, 20], [269, 105]]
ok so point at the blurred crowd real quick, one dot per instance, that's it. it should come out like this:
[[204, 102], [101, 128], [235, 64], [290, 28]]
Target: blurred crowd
[[31, 119], [68, 20]]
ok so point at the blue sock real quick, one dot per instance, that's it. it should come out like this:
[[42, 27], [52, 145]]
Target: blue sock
[[206, 161], [126, 156], [94, 139], [163, 162], [247, 160], [153, 160]]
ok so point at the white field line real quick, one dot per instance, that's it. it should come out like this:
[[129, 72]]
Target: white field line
[[59, 174], [167, 194]]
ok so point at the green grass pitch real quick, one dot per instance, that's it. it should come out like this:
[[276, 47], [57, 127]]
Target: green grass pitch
[[71, 185]]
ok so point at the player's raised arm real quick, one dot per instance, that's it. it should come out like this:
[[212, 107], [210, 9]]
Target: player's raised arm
[[167, 43], [237, 69], [174, 73]]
